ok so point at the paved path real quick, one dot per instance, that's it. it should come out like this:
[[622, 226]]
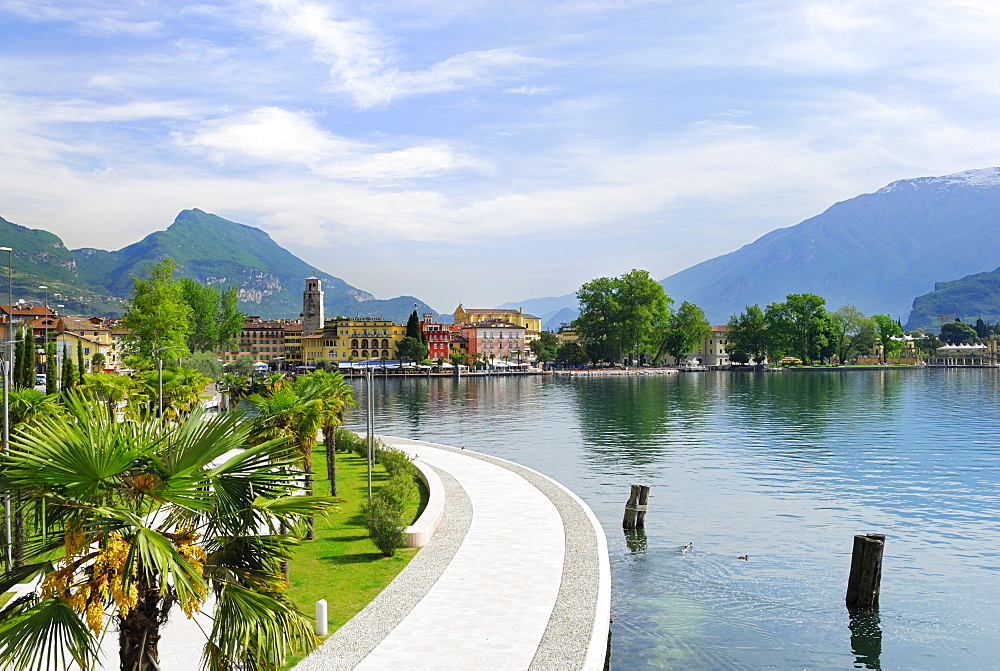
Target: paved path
[[516, 577]]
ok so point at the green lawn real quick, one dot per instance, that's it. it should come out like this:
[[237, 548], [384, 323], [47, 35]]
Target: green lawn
[[342, 564]]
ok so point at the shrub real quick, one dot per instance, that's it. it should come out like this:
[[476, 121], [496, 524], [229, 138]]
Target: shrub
[[400, 490], [394, 461], [385, 525], [348, 441]]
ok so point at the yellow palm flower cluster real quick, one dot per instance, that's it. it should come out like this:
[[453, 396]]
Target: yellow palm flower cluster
[[102, 579], [195, 556]]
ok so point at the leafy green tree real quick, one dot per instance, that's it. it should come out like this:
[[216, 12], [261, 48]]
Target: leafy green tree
[[97, 362], [215, 319], [572, 354], [242, 365], [206, 363], [622, 316], [927, 343], [164, 517], [544, 347], [845, 324], [748, 338], [411, 349], [798, 325], [157, 316], [687, 328], [888, 330], [958, 333]]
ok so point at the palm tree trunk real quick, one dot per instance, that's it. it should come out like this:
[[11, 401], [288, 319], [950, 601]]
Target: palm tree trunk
[[139, 631], [17, 545], [330, 442], [307, 464]]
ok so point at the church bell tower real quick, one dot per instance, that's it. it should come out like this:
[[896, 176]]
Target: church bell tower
[[312, 306]]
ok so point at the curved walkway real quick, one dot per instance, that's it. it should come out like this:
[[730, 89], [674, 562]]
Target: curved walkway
[[515, 577]]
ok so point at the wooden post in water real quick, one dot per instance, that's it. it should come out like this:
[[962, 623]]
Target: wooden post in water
[[635, 508], [866, 571]]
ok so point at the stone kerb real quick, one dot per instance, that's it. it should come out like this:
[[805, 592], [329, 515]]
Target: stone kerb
[[419, 533]]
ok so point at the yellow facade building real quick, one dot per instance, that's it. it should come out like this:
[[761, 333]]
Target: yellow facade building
[[532, 324], [358, 339]]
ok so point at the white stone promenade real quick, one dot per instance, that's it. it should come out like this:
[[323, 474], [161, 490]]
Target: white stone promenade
[[516, 577]]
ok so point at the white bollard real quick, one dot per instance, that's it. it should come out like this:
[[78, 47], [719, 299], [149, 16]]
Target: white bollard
[[321, 629]]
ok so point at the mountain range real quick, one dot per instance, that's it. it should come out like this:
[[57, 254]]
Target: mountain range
[[877, 251], [213, 250]]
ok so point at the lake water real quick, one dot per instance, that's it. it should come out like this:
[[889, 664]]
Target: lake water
[[782, 468]]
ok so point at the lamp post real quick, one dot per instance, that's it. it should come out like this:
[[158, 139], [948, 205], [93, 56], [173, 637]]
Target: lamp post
[[159, 382], [46, 322], [8, 358]]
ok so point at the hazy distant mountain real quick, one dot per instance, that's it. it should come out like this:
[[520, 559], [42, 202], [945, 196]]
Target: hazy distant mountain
[[269, 278], [969, 298], [548, 309], [876, 251]]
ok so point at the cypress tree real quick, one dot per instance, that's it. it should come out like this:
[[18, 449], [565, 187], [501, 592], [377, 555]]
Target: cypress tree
[[51, 379], [413, 326], [25, 366], [81, 368], [68, 373]]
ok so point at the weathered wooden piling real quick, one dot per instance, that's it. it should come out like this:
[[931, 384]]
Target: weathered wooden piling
[[866, 571], [635, 508]]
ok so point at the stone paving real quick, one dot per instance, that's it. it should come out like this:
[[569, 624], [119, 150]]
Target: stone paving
[[508, 597]]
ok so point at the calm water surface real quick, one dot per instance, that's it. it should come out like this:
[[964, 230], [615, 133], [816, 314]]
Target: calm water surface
[[784, 468]]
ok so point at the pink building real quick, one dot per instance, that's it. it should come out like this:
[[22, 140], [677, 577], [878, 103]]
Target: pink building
[[495, 340]]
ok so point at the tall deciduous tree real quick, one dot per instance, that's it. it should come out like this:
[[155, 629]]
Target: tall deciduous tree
[[799, 325], [748, 338], [622, 316], [958, 333], [888, 330], [544, 347], [846, 323], [157, 317], [215, 319], [686, 329]]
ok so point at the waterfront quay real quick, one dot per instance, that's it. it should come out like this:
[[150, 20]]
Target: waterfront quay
[[515, 576]]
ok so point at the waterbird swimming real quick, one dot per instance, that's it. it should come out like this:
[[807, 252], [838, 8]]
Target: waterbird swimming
[[686, 548], [744, 557]]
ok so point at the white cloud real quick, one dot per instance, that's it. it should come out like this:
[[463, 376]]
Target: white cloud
[[363, 66], [277, 136]]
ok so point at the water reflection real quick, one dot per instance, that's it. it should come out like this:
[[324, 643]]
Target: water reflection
[[866, 639], [635, 539]]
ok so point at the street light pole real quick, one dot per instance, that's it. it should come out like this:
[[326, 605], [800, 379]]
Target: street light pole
[[46, 318], [8, 358]]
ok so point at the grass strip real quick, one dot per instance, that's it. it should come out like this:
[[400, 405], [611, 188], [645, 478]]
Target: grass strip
[[342, 564]]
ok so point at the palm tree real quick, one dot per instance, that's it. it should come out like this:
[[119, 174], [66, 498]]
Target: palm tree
[[235, 387], [286, 415], [110, 388], [26, 406], [335, 396], [145, 515]]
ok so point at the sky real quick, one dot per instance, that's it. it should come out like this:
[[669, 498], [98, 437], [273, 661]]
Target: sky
[[484, 152]]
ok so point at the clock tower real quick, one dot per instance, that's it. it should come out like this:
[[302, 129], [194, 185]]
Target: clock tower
[[312, 306]]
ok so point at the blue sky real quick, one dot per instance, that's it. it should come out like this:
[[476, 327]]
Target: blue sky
[[483, 152]]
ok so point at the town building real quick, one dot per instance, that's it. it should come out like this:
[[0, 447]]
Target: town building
[[438, 338], [263, 341], [495, 340], [712, 351], [532, 325], [359, 339]]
